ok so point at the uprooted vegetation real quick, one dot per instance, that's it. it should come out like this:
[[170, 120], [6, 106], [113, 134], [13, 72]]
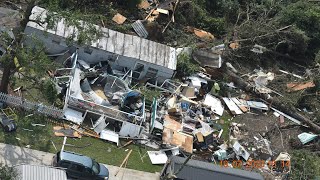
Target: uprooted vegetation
[[286, 32]]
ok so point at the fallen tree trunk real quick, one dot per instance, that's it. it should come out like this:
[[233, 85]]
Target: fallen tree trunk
[[289, 110]]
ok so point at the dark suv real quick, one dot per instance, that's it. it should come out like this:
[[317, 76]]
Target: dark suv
[[79, 166]]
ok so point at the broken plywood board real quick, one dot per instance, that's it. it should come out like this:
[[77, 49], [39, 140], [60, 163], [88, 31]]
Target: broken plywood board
[[65, 132], [234, 45], [299, 86], [184, 141], [214, 103], [157, 157], [199, 137], [162, 11], [242, 106], [232, 106], [172, 105], [99, 91], [188, 92], [119, 19], [144, 4], [171, 123], [203, 35]]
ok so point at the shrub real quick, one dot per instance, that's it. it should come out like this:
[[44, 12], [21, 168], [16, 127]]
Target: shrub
[[50, 91], [186, 66]]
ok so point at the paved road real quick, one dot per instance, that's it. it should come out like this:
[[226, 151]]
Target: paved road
[[13, 155]]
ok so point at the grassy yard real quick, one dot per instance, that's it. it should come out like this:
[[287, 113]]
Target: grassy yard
[[225, 121], [41, 138]]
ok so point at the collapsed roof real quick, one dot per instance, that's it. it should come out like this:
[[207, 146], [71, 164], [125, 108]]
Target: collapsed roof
[[111, 41]]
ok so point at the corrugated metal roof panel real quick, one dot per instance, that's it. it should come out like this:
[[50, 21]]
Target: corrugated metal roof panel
[[139, 29], [34, 172], [116, 42]]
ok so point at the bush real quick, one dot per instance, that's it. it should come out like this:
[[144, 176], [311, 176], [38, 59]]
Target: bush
[[50, 91], [317, 58], [304, 165], [7, 173], [131, 4], [306, 16], [194, 14], [186, 66]]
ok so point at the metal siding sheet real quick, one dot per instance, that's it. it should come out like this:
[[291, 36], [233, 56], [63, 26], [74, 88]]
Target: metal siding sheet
[[68, 31], [115, 42], [75, 31], [60, 28], [34, 25], [94, 43], [163, 53], [159, 53], [172, 62], [167, 56], [128, 46], [144, 55], [119, 44], [152, 52], [112, 41], [104, 39], [139, 29], [136, 41]]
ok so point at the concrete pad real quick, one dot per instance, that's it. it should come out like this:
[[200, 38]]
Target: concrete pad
[[12, 155], [130, 174]]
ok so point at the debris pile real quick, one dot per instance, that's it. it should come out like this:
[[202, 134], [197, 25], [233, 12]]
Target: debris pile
[[232, 122], [188, 117]]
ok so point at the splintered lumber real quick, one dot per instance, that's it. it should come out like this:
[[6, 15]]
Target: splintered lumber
[[299, 86], [243, 107], [124, 161], [126, 144], [289, 110], [232, 106]]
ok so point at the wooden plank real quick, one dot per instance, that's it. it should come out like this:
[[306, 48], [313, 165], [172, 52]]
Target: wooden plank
[[123, 162], [232, 106], [243, 107], [200, 137]]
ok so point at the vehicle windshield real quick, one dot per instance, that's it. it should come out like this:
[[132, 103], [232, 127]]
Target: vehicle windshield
[[95, 167]]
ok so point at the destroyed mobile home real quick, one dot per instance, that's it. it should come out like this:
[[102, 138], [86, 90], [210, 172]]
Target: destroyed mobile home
[[100, 101]]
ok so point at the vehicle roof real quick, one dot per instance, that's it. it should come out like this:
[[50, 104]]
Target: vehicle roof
[[74, 157]]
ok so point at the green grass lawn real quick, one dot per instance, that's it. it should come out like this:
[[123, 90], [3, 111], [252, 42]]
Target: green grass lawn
[[102, 151], [225, 125]]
